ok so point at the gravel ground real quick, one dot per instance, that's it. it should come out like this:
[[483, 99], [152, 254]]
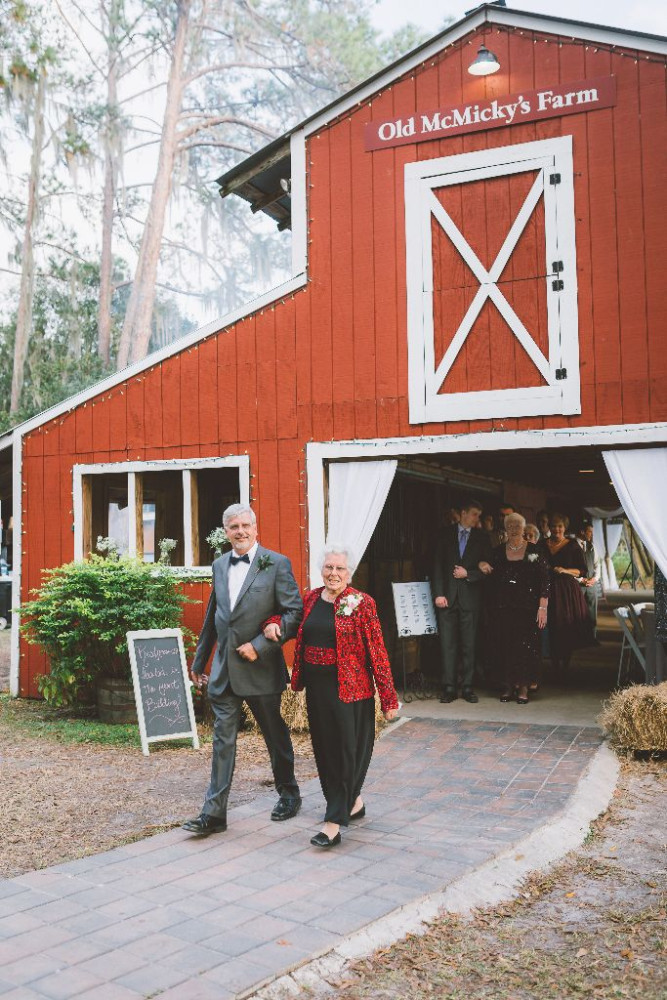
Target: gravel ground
[[62, 801], [593, 927]]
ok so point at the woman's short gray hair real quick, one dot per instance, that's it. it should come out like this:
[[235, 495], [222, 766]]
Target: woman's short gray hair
[[517, 518], [336, 549], [234, 510]]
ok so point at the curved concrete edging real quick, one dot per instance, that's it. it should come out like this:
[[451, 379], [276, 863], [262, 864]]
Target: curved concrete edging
[[492, 883]]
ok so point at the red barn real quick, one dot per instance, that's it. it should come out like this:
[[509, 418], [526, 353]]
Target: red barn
[[477, 303]]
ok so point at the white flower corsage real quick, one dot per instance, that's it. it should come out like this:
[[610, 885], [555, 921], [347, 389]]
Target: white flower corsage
[[533, 557], [349, 604]]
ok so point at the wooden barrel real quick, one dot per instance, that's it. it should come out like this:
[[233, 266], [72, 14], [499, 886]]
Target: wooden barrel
[[115, 701]]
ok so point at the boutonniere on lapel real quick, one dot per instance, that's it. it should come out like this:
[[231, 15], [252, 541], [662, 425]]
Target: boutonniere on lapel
[[264, 562], [349, 604], [533, 557]]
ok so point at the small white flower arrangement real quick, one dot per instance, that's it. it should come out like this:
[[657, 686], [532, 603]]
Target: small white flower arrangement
[[217, 539], [166, 547], [349, 604], [533, 557], [108, 546]]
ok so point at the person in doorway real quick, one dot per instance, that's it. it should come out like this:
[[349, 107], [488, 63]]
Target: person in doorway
[[589, 583], [520, 599], [339, 658], [250, 585], [570, 626], [542, 517], [457, 588]]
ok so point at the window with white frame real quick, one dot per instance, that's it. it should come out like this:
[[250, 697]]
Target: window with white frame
[[137, 504]]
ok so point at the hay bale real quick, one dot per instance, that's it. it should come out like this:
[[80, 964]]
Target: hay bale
[[293, 708], [636, 718]]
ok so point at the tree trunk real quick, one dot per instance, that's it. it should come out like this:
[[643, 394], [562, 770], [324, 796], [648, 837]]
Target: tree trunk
[[27, 287], [136, 334], [110, 174]]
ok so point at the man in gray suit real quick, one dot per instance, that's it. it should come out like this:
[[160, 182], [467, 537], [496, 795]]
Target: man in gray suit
[[251, 584]]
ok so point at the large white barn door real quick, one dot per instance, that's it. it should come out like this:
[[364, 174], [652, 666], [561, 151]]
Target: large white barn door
[[491, 281]]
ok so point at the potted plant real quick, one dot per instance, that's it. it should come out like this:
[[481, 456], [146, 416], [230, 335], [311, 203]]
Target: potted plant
[[79, 618]]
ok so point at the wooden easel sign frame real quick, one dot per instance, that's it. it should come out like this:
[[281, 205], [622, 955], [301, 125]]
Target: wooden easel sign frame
[[161, 687]]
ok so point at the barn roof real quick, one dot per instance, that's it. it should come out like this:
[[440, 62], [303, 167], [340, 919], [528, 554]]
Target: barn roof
[[263, 179]]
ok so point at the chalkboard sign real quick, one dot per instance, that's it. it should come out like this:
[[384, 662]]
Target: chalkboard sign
[[161, 686], [413, 604]]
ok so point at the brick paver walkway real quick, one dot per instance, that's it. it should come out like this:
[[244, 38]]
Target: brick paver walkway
[[192, 919]]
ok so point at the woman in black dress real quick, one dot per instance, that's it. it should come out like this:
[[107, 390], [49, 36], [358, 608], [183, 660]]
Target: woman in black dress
[[520, 599], [570, 625]]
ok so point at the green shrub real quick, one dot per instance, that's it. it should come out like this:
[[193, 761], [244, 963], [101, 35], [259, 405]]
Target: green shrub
[[82, 611]]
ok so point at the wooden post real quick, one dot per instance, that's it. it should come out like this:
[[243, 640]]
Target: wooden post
[[190, 517], [87, 517], [139, 513]]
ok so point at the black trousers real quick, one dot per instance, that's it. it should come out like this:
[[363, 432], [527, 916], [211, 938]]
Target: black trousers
[[227, 713], [458, 629], [342, 735]]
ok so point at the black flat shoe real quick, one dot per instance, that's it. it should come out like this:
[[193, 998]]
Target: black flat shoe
[[205, 825], [360, 813], [469, 695], [321, 840], [448, 695], [285, 809], [508, 696]]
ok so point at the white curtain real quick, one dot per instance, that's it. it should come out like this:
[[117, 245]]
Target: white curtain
[[357, 493], [640, 480]]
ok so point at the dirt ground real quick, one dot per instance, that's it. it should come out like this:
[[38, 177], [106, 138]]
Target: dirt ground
[[594, 927], [61, 801]]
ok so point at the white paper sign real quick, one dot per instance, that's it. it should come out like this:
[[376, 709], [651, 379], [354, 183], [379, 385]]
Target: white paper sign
[[415, 613]]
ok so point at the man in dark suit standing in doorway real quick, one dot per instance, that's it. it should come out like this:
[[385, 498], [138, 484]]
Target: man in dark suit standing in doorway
[[457, 585], [251, 584]]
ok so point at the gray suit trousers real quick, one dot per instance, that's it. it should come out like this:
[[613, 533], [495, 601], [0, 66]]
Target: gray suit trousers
[[227, 713]]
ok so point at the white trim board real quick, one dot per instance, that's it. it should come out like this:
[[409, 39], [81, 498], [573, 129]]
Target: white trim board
[[241, 462], [317, 453], [547, 159]]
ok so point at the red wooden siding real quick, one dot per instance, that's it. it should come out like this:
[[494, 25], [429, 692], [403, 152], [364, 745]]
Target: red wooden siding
[[331, 361]]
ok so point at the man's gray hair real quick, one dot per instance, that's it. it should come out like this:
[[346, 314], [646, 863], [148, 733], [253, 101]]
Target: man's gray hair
[[234, 510], [339, 549]]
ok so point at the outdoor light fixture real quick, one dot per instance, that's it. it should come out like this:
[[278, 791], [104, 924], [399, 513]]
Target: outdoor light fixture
[[485, 63]]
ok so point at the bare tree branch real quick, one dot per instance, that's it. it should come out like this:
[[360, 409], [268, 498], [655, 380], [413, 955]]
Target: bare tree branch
[[213, 121]]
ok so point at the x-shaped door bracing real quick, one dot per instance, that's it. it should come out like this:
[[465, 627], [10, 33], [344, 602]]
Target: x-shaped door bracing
[[488, 285]]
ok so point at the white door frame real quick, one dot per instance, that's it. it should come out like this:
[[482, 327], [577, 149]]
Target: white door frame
[[551, 159], [318, 453]]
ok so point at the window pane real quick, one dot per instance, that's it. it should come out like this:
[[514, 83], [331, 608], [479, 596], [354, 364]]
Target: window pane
[[149, 532], [163, 491], [217, 489]]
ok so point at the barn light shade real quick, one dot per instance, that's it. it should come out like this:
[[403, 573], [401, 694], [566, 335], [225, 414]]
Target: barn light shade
[[485, 63]]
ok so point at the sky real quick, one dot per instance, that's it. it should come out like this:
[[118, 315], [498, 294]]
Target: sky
[[637, 15]]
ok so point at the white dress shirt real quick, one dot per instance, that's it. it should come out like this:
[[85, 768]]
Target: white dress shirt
[[237, 574]]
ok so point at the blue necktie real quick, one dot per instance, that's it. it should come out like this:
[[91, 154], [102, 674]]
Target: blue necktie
[[463, 540], [237, 559]]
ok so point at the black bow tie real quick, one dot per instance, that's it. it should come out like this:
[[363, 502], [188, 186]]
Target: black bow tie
[[237, 559]]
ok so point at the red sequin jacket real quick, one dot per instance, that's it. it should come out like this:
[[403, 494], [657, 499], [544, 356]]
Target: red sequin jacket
[[361, 651]]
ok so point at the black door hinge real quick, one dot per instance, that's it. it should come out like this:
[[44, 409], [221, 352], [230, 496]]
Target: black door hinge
[[557, 266], [554, 178], [561, 373], [558, 285]]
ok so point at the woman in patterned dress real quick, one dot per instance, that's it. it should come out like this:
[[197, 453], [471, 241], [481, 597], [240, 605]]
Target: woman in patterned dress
[[339, 658], [520, 599]]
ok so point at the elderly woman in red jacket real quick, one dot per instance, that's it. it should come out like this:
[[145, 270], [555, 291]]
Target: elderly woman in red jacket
[[339, 654]]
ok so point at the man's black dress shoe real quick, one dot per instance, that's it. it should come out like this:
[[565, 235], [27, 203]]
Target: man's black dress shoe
[[204, 825], [360, 813], [321, 840], [447, 696], [285, 809], [469, 695]]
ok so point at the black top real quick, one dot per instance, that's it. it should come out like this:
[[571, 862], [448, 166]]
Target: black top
[[569, 557], [319, 628], [519, 583]]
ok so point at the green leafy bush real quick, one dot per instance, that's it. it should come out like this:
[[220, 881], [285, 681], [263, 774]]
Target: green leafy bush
[[82, 611]]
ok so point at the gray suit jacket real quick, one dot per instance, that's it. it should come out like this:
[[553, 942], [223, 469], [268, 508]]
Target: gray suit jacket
[[265, 593]]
